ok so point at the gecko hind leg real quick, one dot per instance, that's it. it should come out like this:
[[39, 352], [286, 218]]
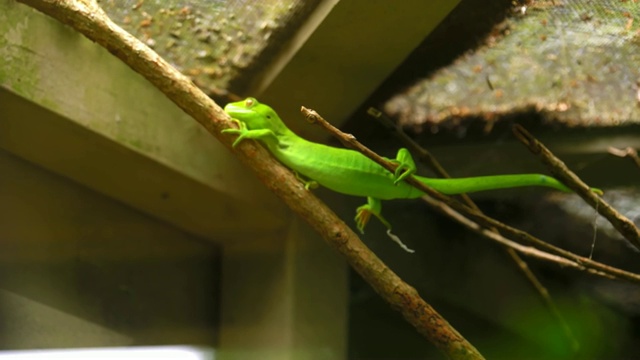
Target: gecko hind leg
[[374, 207], [406, 165]]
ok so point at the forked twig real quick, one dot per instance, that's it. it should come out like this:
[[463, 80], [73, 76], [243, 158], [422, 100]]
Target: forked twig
[[432, 162], [483, 220], [629, 152]]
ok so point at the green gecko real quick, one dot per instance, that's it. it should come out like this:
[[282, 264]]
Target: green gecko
[[350, 172]]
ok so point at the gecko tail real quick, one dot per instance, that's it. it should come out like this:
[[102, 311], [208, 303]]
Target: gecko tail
[[483, 183]]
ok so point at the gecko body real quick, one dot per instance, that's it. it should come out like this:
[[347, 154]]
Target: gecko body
[[350, 172]]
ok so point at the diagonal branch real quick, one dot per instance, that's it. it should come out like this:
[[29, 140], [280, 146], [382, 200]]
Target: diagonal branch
[[86, 17], [620, 222]]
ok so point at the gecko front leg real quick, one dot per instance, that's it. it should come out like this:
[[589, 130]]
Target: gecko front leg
[[244, 133]]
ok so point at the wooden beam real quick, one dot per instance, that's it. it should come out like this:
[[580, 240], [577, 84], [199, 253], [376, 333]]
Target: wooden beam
[[290, 303], [71, 107], [346, 56]]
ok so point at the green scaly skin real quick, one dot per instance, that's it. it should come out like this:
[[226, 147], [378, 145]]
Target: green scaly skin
[[349, 172]]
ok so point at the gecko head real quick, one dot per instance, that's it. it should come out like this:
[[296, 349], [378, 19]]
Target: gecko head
[[254, 114]]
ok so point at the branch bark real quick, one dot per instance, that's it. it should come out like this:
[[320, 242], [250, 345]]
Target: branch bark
[[86, 17]]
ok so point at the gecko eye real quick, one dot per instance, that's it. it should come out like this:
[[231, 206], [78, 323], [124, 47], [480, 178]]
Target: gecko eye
[[248, 102]]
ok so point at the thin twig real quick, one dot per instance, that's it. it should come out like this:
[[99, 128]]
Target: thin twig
[[422, 154], [629, 152], [526, 250], [620, 222], [86, 17], [598, 268], [526, 237], [432, 162]]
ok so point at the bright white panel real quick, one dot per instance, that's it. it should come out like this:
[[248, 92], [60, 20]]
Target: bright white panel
[[137, 353]]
